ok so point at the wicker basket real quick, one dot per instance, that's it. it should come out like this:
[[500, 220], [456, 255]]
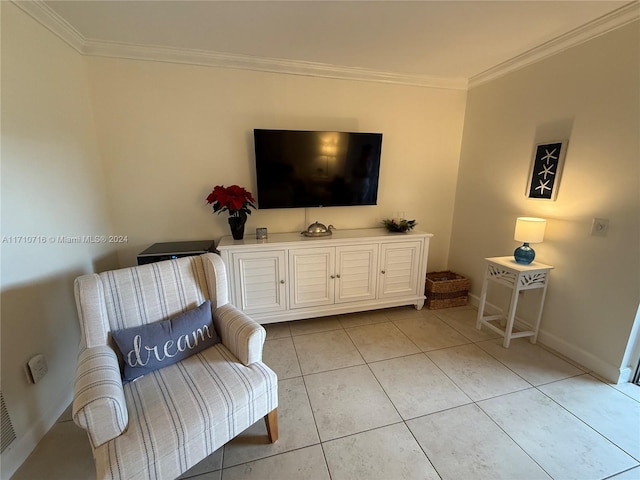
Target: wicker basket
[[446, 289]]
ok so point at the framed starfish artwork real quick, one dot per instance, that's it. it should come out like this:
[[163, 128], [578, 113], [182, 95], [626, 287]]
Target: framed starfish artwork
[[546, 170]]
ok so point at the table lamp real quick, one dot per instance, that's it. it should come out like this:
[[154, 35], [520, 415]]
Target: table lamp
[[528, 230]]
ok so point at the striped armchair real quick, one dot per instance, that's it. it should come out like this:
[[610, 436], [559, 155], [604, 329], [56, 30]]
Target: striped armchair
[[162, 424]]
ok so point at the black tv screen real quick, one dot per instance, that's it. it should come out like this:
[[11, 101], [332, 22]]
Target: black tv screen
[[316, 169]]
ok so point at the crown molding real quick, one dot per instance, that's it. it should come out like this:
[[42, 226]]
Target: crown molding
[[264, 64], [611, 21], [42, 13]]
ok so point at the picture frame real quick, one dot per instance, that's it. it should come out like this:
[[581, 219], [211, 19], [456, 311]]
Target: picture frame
[[546, 170]]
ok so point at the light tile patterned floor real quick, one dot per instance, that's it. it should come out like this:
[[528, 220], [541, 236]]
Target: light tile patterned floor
[[405, 394]]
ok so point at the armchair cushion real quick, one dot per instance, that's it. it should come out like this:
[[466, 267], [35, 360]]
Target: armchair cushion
[[99, 404], [180, 414], [151, 346]]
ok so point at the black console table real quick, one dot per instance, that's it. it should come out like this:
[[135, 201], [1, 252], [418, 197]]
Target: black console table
[[169, 250]]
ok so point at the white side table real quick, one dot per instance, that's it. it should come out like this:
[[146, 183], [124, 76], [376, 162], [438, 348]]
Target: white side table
[[505, 271]]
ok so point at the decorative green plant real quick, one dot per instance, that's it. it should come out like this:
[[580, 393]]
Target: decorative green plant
[[398, 224]]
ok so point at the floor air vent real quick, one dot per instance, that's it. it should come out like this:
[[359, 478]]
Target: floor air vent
[[8, 433]]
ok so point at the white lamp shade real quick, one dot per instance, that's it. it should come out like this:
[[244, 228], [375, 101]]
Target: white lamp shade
[[530, 229]]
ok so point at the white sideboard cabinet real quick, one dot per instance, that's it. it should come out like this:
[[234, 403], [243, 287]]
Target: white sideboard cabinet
[[289, 276]]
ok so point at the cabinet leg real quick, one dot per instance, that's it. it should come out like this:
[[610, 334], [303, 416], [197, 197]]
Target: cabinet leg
[[536, 326], [483, 299], [508, 331]]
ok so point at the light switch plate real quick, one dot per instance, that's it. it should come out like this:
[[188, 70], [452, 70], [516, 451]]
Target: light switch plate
[[37, 367]]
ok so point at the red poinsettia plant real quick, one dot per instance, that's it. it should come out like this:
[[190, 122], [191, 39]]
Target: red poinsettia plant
[[234, 199]]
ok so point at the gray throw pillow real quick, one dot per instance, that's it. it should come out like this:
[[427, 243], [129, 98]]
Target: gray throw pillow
[[155, 345]]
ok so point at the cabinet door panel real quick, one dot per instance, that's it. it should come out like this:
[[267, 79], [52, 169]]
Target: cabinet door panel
[[310, 271], [399, 263], [259, 281], [356, 272]]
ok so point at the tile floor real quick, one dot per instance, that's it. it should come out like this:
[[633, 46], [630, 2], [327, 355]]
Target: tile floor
[[406, 394]]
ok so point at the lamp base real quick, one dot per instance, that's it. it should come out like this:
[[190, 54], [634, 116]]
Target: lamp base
[[524, 254]]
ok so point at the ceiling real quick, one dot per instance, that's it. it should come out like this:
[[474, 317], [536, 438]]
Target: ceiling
[[447, 40]]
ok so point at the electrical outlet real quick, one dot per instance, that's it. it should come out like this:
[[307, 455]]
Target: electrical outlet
[[599, 227], [37, 367]]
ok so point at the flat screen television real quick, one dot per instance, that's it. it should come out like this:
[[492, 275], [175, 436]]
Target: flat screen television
[[316, 169]]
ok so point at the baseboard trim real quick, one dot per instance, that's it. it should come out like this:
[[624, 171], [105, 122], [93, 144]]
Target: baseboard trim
[[625, 375], [605, 370], [16, 453], [589, 361]]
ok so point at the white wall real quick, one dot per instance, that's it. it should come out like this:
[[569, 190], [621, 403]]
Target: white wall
[[170, 133], [166, 134], [590, 96], [52, 185]]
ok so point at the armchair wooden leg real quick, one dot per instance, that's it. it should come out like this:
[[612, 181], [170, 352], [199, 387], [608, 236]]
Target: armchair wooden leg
[[271, 420]]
